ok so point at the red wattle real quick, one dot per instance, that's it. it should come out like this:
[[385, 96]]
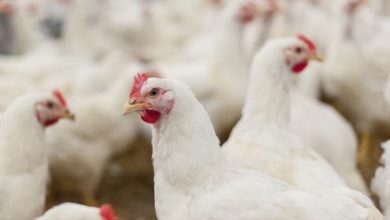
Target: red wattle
[[50, 122], [150, 116], [46, 123], [299, 67]]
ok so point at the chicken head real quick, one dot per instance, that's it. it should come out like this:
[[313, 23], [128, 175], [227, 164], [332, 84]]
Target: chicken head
[[50, 110]]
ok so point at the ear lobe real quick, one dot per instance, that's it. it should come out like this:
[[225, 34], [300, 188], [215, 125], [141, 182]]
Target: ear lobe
[[107, 213]]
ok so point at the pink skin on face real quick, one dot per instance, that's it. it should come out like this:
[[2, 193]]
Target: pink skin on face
[[299, 67], [48, 112], [152, 102], [149, 115]]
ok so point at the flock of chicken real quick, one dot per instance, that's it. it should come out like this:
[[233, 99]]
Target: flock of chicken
[[193, 70]]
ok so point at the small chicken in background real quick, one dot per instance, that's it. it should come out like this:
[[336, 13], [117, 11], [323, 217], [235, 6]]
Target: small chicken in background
[[73, 211], [24, 153], [356, 70]]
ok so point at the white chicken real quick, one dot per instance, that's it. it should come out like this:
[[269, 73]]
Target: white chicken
[[194, 181], [356, 70], [262, 140], [381, 181], [73, 211], [24, 155]]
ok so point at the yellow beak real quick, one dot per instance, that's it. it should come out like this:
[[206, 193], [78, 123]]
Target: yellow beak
[[316, 57], [69, 115], [128, 108]]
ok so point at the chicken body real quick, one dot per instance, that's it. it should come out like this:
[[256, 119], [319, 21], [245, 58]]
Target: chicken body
[[262, 139], [334, 140], [23, 161], [193, 180], [356, 68]]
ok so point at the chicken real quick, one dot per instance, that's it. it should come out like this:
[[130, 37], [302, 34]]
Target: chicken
[[24, 155], [381, 181], [192, 178], [73, 211], [335, 140], [356, 70], [262, 140]]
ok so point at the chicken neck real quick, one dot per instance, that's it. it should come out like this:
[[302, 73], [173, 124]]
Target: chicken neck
[[267, 101], [22, 146], [186, 151]]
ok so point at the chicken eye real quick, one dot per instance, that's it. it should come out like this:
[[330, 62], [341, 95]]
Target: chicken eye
[[154, 92], [50, 105], [298, 50]]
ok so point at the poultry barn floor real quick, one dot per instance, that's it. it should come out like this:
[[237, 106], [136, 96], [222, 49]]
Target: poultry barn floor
[[128, 181], [127, 184]]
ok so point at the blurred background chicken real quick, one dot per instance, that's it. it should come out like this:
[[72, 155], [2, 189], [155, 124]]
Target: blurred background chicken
[[24, 168], [91, 49], [73, 211]]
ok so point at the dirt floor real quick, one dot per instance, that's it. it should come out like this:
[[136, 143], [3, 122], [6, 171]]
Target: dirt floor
[[127, 185], [131, 192]]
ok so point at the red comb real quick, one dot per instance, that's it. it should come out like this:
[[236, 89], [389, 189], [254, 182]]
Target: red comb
[[107, 212], [57, 93], [308, 42], [139, 80]]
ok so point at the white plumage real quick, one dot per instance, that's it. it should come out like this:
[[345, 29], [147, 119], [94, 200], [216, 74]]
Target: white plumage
[[23, 160], [381, 181], [356, 66], [194, 181], [73, 211], [304, 149], [334, 140], [262, 140]]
